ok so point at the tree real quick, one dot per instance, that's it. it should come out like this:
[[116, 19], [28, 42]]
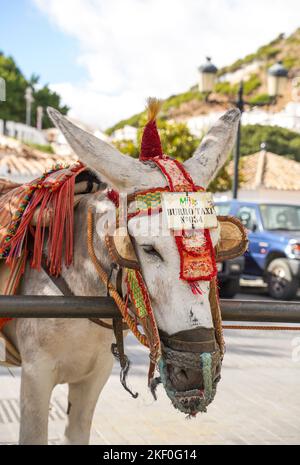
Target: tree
[[14, 107], [177, 141], [45, 97], [279, 140]]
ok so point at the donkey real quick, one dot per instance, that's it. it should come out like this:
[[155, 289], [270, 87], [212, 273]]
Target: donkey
[[78, 352]]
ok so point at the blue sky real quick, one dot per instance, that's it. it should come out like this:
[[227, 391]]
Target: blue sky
[[106, 56], [36, 43]]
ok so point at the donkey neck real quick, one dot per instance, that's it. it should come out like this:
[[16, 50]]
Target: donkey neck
[[81, 277]]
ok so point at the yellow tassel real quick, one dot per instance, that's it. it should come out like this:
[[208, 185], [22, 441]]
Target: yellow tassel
[[153, 108]]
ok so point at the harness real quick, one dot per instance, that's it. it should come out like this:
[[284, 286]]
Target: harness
[[197, 263], [197, 260]]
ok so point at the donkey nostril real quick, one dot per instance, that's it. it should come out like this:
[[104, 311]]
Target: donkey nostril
[[184, 374], [179, 374]]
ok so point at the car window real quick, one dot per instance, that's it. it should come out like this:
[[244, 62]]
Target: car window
[[281, 217], [247, 215], [222, 208]]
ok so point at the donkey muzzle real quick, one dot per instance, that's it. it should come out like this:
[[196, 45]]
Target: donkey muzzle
[[190, 368]]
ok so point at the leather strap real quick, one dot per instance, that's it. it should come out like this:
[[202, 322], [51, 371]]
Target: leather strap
[[195, 340]]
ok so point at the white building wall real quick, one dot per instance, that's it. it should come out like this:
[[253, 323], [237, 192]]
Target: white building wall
[[23, 132], [288, 118], [263, 196]]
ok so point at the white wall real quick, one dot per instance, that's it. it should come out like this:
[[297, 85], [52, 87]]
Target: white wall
[[288, 118], [263, 195], [23, 132]]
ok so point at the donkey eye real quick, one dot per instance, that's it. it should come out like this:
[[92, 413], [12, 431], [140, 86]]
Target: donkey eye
[[150, 250]]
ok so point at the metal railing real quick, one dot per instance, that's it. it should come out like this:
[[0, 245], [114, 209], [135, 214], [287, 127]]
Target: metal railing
[[105, 307]]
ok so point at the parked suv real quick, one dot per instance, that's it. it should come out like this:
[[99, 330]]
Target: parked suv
[[229, 273], [274, 243]]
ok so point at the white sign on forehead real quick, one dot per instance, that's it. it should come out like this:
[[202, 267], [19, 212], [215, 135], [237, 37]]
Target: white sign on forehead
[[189, 210]]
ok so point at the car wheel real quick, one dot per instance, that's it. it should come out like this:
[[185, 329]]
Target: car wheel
[[229, 288], [282, 285]]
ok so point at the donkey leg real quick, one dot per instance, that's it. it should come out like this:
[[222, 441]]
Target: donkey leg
[[83, 397], [37, 384]]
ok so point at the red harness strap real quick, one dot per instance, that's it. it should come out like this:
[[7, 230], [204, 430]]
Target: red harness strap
[[197, 255]]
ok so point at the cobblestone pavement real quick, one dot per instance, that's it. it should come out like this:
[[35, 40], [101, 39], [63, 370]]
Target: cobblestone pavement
[[258, 400]]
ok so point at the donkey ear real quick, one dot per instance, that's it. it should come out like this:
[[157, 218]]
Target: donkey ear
[[120, 171], [233, 238], [214, 149]]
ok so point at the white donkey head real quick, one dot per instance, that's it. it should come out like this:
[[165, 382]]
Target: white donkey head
[[183, 318]]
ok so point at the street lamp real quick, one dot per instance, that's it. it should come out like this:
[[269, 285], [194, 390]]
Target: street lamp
[[29, 100], [207, 76], [39, 117], [277, 79]]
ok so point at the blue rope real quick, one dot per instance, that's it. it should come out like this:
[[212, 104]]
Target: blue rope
[[206, 363]]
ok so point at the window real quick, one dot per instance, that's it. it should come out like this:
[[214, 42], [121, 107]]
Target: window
[[222, 209], [277, 217], [247, 215]]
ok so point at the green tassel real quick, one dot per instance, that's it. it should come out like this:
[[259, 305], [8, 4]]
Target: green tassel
[[207, 374]]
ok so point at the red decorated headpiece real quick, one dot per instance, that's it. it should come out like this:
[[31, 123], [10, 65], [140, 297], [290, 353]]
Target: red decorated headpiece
[[151, 145]]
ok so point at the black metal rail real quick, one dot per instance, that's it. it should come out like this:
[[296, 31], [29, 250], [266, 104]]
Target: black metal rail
[[105, 307]]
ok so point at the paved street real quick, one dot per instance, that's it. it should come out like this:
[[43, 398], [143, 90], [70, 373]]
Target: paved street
[[258, 399]]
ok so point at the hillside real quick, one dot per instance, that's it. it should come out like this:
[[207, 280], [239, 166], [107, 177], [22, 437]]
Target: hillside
[[252, 69]]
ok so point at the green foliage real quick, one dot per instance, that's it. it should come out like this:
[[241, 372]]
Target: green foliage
[[222, 182], [230, 90], [294, 38], [174, 101], [279, 140], [177, 142], [128, 147], [132, 121], [261, 99], [266, 52], [42, 148], [226, 88], [289, 62], [251, 84], [45, 97], [14, 108]]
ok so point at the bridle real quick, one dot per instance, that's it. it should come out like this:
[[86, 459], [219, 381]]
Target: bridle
[[141, 312]]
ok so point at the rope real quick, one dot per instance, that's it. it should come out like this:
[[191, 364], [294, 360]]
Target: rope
[[264, 328], [111, 288]]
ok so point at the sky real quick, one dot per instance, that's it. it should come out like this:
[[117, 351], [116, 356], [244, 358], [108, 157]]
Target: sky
[[105, 57]]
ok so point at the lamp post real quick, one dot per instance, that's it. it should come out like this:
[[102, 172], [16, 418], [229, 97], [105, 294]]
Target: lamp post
[[240, 104], [39, 117], [29, 100], [277, 81], [207, 76]]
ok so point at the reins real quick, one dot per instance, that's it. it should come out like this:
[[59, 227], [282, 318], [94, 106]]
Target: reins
[[122, 305]]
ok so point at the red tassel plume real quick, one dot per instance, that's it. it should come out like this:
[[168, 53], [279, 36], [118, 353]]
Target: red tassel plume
[[151, 145]]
